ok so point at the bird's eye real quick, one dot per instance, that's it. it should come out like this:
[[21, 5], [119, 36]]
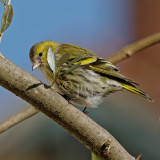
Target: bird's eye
[[40, 54]]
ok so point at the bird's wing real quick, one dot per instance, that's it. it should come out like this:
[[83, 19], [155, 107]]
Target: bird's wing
[[95, 63], [107, 69]]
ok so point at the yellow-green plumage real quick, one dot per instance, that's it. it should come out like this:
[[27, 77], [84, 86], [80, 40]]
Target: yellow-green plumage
[[94, 79], [136, 91]]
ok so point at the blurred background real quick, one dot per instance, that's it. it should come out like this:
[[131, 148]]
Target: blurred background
[[103, 26]]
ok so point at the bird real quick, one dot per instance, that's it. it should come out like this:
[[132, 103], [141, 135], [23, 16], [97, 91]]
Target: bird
[[78, 74]]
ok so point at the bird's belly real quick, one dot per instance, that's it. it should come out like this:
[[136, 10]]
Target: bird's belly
[[86, 88]]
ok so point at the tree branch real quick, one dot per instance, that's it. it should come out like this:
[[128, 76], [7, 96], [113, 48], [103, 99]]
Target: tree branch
[[93, 136], [134, 48], [19, 117]]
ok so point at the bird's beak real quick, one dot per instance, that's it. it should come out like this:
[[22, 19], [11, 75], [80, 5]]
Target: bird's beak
[[36, 64]]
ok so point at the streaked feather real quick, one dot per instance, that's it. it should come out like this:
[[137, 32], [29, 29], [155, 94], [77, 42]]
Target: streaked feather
[[112, 74]]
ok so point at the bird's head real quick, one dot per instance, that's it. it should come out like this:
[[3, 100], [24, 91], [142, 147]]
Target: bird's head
[[39, 53]]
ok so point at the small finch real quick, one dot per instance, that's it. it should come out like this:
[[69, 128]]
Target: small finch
[[78, 74]]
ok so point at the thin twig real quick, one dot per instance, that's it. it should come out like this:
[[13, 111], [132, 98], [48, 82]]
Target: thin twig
[[19, 117], [134, 48], [138, 158]]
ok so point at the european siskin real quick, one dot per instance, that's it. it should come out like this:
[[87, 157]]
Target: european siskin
[[79, 74]]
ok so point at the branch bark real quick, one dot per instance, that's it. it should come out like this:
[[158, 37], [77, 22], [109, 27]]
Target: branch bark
[[19, 117], [134, 48], [45, 99]]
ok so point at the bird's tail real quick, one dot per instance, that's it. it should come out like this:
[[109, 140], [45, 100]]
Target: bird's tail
[[136, 91]]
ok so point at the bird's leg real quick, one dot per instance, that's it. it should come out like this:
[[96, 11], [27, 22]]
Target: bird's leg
[[84, 111]]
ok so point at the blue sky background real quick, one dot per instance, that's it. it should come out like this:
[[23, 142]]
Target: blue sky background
[[85, 23]]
